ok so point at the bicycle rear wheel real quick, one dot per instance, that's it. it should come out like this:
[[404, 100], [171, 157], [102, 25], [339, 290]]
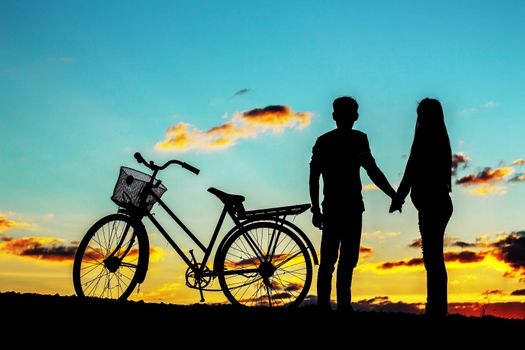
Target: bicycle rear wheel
[[265, 265], [110, 258]]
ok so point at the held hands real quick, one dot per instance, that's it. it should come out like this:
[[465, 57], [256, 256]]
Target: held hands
[[397, 204]]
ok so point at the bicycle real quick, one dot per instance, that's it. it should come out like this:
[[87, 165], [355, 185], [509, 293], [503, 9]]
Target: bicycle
[[263, 260]]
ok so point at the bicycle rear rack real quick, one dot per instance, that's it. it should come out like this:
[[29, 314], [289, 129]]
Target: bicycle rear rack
[[270, 213]]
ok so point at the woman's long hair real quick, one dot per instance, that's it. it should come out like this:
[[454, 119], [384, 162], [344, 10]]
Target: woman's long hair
[[431, 149]]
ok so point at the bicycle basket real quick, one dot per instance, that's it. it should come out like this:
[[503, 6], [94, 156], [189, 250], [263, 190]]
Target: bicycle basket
[[129, 187]]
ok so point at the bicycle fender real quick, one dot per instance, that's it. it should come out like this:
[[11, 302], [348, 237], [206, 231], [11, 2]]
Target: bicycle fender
[[289, 225], [143, 269]]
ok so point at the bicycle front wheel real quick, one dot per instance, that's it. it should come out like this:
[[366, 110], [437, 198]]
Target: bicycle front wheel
[[265, 264], [110, 258]]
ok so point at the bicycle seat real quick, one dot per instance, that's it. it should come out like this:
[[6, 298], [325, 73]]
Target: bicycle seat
[[227, 198], [233, 201]]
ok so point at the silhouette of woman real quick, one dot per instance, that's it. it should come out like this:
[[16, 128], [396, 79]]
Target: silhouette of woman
[[428, 178]]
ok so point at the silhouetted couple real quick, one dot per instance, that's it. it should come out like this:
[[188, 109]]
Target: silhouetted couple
[[338, 156]]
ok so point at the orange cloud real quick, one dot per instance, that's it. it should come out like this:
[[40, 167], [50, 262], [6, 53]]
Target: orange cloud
[[6, 224], [184, 137], [486, 176], [518, 162]]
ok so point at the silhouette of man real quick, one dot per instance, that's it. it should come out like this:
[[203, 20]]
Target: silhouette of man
[[338, 156]]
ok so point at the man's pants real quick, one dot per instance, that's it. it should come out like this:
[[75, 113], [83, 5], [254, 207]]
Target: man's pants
[[341, 232]]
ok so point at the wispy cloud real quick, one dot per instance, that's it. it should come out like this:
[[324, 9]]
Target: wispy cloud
[[518, 162], [489, 104], [381, 235], [6, 224], [184, 137], [65, 59], [242, 92]]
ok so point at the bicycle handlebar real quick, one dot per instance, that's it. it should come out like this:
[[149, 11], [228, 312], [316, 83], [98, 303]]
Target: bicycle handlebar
[[155, 167]]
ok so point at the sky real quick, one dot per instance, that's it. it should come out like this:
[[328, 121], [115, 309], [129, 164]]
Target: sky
[[84, 85]]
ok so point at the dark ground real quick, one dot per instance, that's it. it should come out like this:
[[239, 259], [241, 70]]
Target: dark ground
[[34, 316]]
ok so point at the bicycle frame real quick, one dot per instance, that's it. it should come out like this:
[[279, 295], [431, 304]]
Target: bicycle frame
[[207, 250]]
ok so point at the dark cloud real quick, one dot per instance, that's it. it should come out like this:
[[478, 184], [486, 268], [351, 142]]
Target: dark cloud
[[4, 238], [459, 159], [494, 292], [416, 243], [449, 242], [365, 250], [465, 257], [54, 252], [462, 244], [518, 292], [293, 287], [282, 295], [511, 250], [242, 92], [485, 176], [51, 249], [383, 304], [257, 112], [392, 264]]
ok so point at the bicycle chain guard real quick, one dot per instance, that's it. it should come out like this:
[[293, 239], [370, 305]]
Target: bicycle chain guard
[[201, 282]]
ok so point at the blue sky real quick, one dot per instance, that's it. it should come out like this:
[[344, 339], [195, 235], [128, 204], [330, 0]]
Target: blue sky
[[83, 85]]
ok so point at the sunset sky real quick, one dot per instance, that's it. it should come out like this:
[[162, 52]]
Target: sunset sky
[[84, 85]]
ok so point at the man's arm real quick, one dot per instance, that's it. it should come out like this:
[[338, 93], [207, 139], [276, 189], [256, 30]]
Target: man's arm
[[376, 175], [315, 174], [378, 178]]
